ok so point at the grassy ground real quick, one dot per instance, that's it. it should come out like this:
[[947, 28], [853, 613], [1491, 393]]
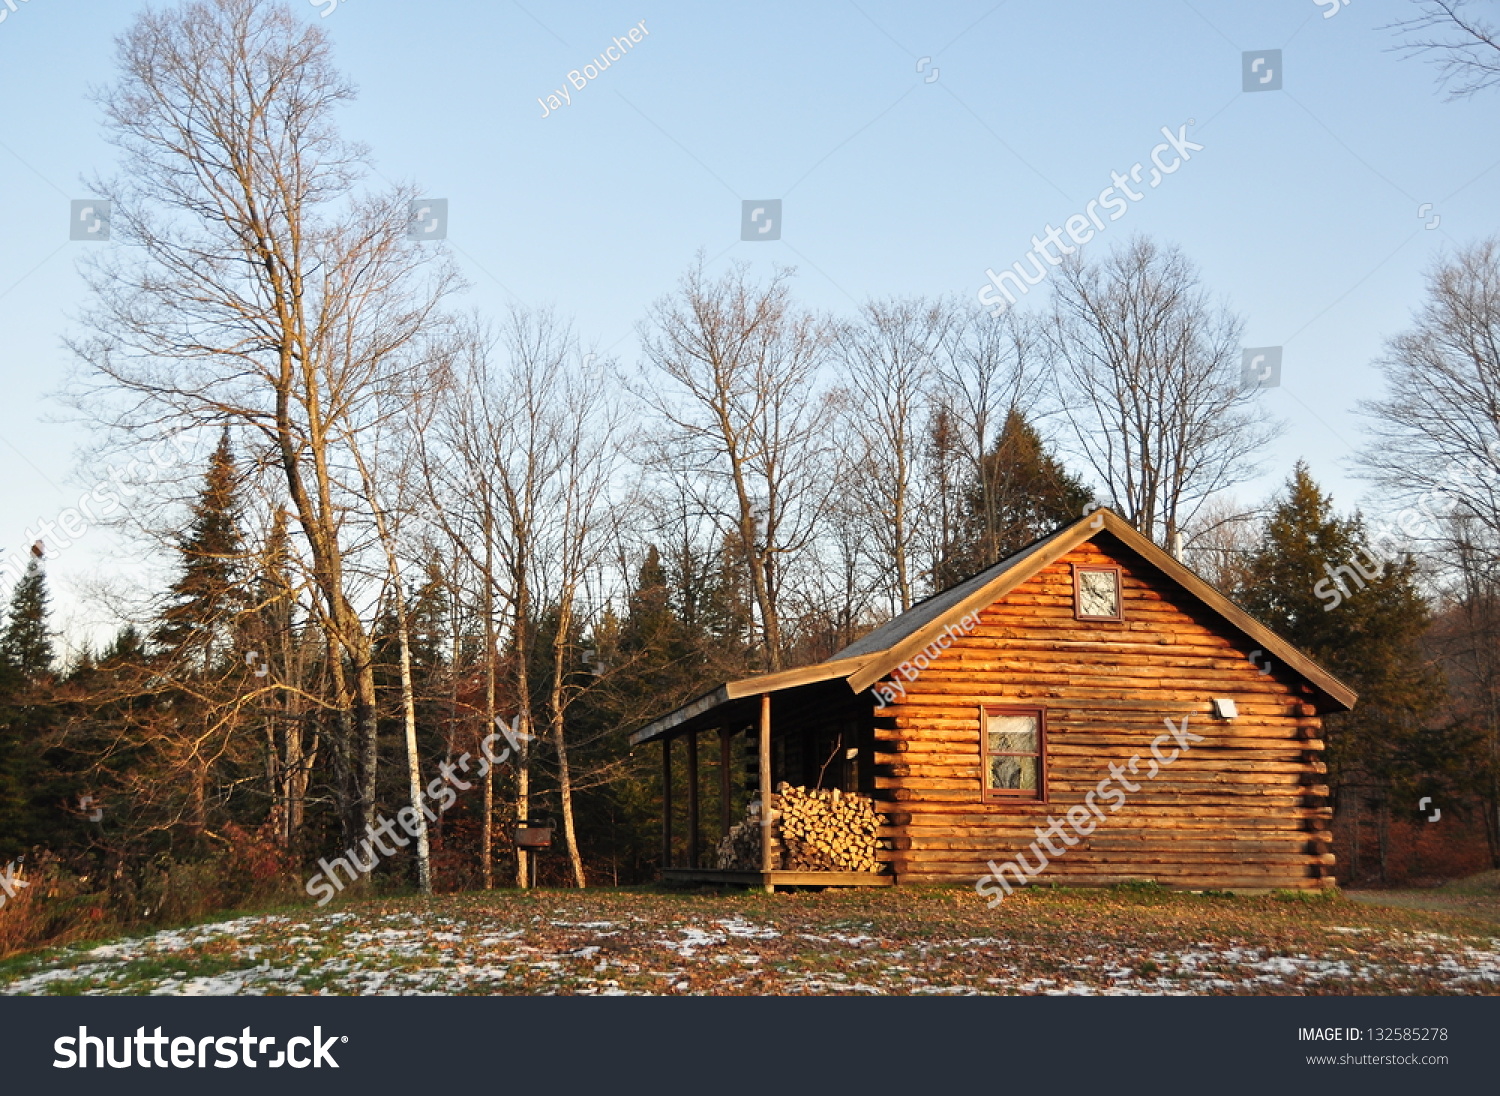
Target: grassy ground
[[906, 941], [1477, 896]]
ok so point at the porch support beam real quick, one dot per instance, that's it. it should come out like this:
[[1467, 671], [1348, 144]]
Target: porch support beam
[[726, 784], [765, 788], [692, 811], [666, 803]]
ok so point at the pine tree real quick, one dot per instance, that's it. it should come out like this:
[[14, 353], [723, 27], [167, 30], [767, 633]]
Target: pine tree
[[1365, 624], [26, 644], [197, 626], [26, 664], [1020, 492], [200, 758]]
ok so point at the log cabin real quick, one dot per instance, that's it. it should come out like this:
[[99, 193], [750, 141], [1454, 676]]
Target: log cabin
[[1090, 687]]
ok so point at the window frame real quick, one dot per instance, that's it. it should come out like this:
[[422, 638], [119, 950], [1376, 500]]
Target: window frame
[[1104, 568], [1013, 795]]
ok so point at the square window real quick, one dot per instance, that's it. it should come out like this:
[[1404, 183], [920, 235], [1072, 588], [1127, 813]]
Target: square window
[[1096, 593], [1014, 746]]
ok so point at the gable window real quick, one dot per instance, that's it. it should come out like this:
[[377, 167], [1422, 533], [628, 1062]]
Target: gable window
[[1096, 593], [1015, 746]]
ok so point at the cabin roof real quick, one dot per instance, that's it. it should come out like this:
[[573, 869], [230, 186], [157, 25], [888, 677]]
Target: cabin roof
[[939, 608], [873, 656]]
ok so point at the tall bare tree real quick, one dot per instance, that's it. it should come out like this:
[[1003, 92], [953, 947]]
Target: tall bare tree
[[1435, 452], [744, 421], [889, 355], [1149, 373], [1436, 432], [259, 284]]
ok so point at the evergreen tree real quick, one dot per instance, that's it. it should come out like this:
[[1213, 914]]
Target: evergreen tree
[[1019, 492], [1365, 623], [197, 627], [194, 759], [26, 644], [26, 664]]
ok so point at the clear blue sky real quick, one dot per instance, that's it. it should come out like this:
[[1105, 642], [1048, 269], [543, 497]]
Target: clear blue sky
[[1301, 210]]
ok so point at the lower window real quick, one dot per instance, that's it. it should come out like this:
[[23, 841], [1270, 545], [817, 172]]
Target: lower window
[[1014, 741]]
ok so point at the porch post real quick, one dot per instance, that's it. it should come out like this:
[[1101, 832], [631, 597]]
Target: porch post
[[692, 818], [765, 787], [726, 787], [666, 803]]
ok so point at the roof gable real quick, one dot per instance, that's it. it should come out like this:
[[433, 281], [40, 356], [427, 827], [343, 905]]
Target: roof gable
[[912, 631]]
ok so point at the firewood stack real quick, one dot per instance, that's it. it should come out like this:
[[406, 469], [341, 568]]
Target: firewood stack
[[813, 830], [740, 850]]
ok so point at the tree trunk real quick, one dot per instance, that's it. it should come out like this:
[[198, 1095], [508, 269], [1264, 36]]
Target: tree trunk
[[560, 647], [487, 810], [413, 765], [1384, 835]]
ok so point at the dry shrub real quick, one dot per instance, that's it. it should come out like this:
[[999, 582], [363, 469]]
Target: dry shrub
[[60, 905], [53, 908]]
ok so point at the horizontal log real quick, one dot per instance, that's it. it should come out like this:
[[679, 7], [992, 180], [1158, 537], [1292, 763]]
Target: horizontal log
[[1252, 884], [904, 797], [1125, 821], [1003, 847], [1241, 812]]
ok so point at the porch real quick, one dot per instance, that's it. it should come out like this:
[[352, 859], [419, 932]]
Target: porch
[[823, 735]]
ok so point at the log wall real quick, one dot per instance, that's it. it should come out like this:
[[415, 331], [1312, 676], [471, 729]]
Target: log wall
[[1245, 808]]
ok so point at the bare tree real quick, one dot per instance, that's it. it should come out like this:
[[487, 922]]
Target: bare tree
[[1465, 43], [744, 423], [1435, 452], [1220, 538], [1149, 375], [575, 529], [988, 373], [387, 529], [257, 287], [889, 356], [521, 467], [1436, 433]]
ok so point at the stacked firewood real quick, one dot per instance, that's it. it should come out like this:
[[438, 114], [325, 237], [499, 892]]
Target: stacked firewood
[[740, 849], [812, 830], [827, 830]]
